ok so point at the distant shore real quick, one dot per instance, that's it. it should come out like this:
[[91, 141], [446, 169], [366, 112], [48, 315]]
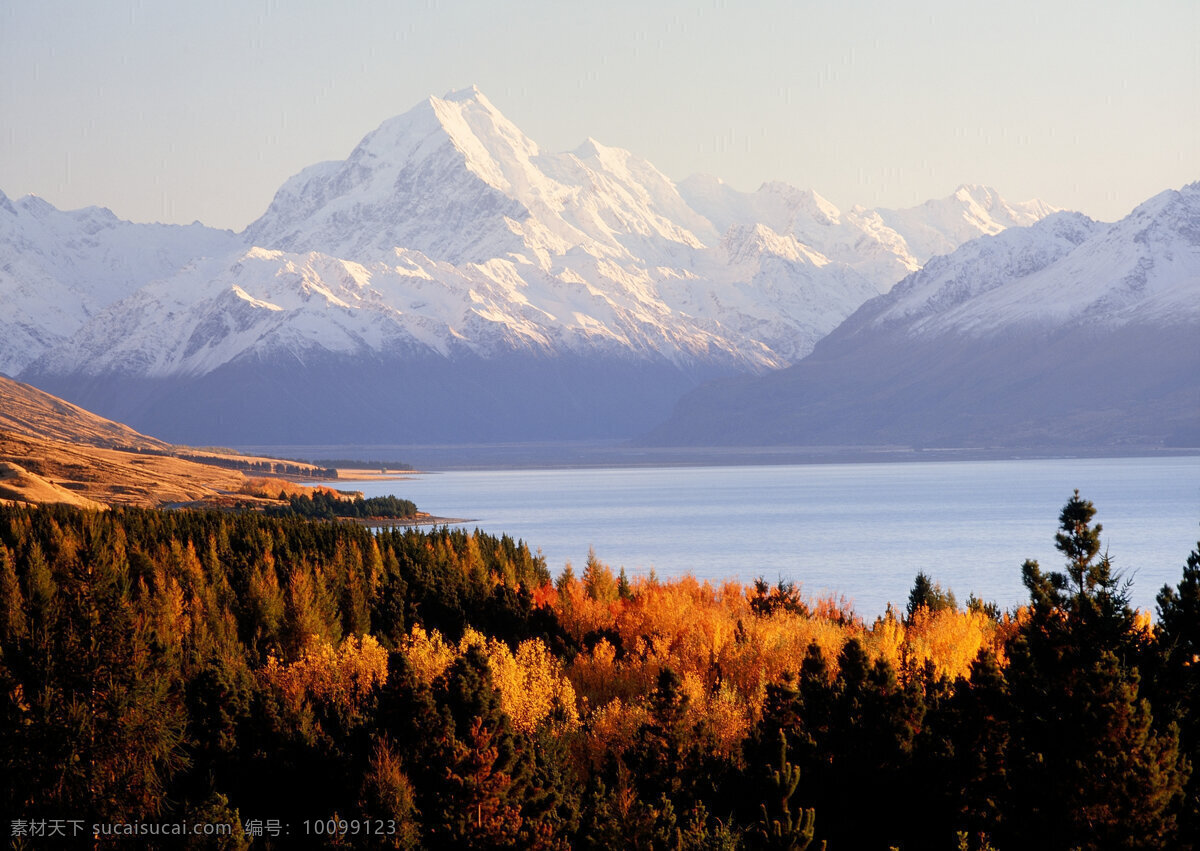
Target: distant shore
[[409, 522], [352, 474], [585, 454]]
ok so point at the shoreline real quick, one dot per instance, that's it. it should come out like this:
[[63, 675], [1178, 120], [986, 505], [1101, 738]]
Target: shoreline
[[430, 458]]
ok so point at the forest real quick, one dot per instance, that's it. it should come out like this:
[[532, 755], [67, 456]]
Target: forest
[[317, 681], [325, 504]]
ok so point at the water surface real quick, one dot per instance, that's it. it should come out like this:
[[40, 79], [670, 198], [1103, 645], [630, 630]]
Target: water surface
[[858, 530]]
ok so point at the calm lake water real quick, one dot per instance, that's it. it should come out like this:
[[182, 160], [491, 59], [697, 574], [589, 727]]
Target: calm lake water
[[858, 530]]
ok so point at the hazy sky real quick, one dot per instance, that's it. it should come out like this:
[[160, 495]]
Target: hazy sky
[[168, 111]]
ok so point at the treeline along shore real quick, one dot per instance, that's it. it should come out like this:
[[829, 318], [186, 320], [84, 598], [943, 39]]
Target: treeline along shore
[[437, 688]]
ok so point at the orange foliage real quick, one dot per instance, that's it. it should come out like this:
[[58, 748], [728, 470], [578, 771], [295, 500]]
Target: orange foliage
[[545, 595], [726, 652], [270, 488], [695, 629], [611, 728], [1143, 622]]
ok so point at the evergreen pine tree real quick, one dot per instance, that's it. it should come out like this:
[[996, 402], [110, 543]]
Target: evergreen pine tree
[[1089, 768], [779, 827], [1176, 686]]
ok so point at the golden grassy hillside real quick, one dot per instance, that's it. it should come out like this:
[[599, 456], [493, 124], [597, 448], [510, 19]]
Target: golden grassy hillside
[[19, 485], [54, 451], [28, 411], [111, 476]]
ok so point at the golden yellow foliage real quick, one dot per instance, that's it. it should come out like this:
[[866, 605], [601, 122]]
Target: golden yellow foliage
[[428, 654], [1143, 622], [730, 716], [534, 691], [886, 639], [343, 676], [948, 638], [534, 688]]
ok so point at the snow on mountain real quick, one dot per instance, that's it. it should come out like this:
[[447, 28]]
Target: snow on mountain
[[925, 298], [866, 246], [1064, 269], [882, 245], [593, 247], [447, 242], [940, 226], [267, 302], [1068, 332], [58, 269], [766, 286], [455, 179]]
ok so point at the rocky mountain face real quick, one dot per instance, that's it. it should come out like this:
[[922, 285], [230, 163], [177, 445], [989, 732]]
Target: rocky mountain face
[[1066, 333], [450, 281]]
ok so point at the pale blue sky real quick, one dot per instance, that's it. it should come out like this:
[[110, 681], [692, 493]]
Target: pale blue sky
[[168, 111]]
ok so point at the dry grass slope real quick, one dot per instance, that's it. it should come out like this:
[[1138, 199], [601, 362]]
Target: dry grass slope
[[28, 411], [53, 451]]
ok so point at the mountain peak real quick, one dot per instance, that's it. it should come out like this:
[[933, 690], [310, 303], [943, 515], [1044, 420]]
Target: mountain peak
[[590, 148], [36, 206], [977, 193], [470, 93], [442, 178]]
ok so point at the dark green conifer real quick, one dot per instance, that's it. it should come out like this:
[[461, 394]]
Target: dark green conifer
[[1176, 686], [1089, 768], [624, 589], [779, 827]]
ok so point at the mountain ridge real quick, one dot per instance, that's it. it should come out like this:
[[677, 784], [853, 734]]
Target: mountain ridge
[[1067, 332]]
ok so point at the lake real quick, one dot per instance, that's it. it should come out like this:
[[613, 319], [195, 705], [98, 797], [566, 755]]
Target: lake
[[858, 530]]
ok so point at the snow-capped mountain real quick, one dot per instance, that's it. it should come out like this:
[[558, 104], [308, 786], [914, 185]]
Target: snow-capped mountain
[[1065, 270], [58, 269], [883, 245], [1068, 332], [939, 226], [448, 251], [455, 179]]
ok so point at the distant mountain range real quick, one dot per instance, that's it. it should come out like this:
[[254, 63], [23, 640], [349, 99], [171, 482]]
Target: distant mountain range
[[1064, 334], [451, 282]]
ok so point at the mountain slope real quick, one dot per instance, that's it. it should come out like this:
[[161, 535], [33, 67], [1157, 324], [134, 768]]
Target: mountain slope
[[1066, 333], [54, 451], [28, 411]]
